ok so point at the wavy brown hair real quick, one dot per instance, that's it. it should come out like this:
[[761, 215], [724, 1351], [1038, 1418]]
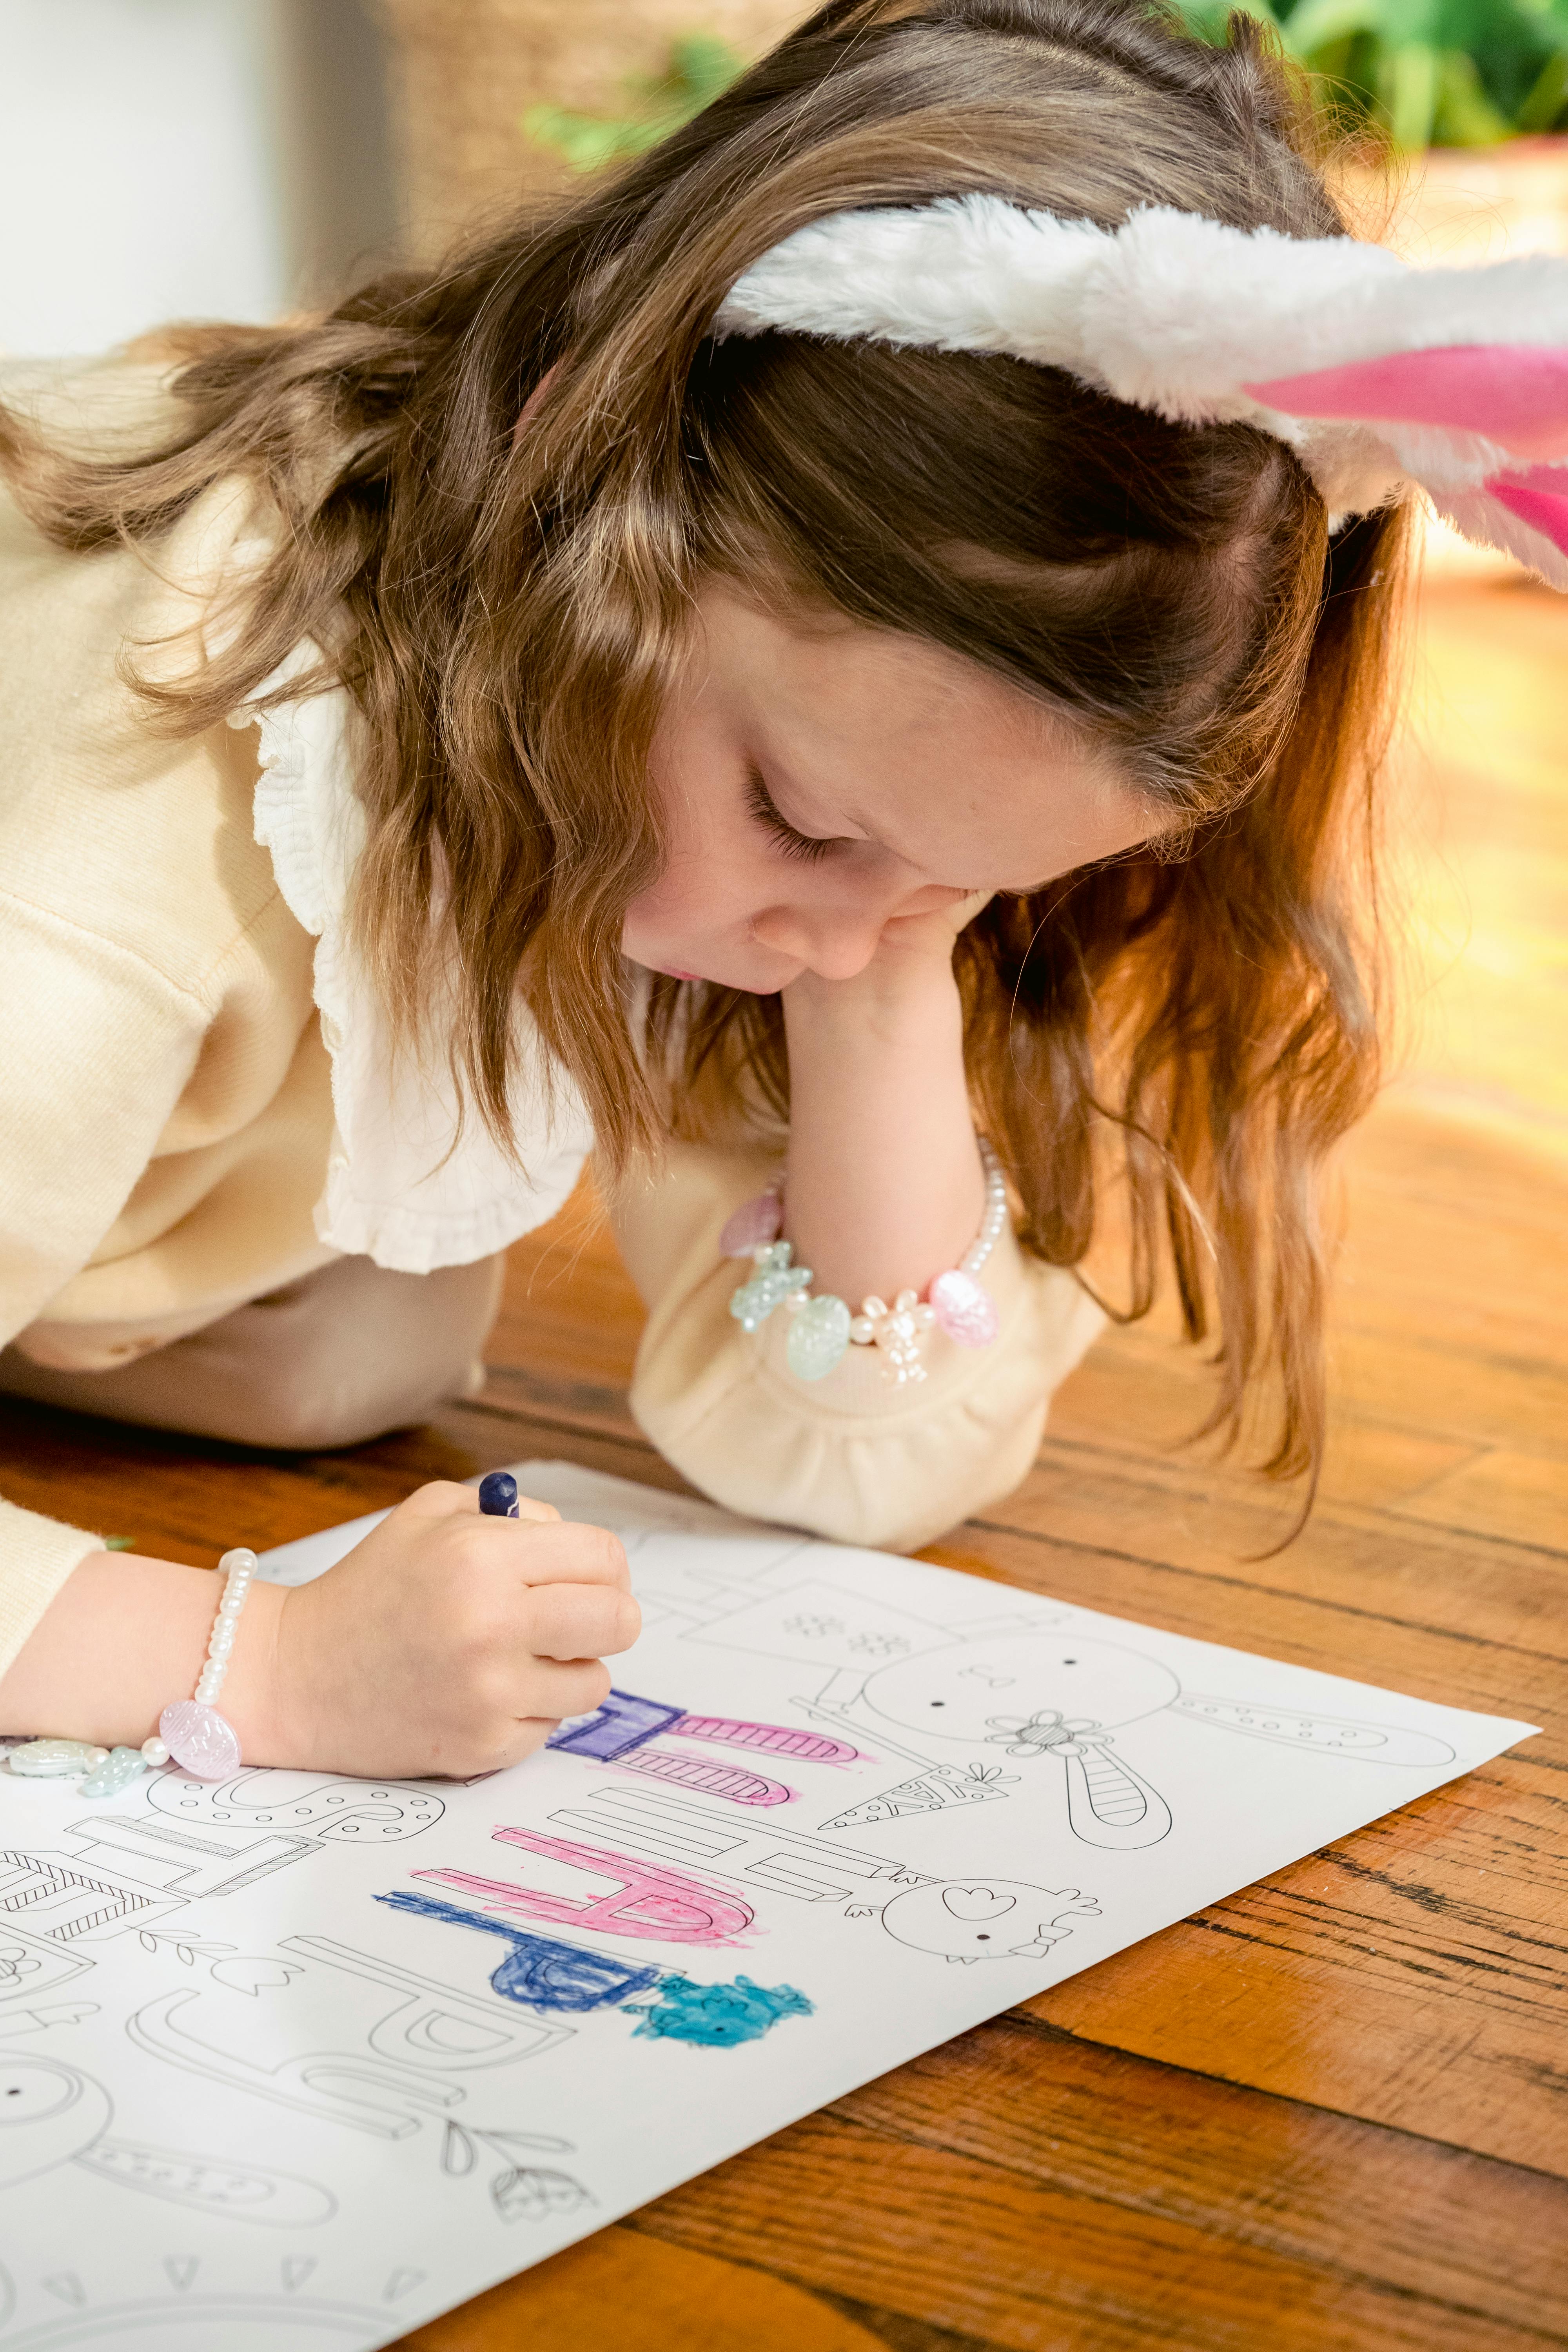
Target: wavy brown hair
[[509, 608]]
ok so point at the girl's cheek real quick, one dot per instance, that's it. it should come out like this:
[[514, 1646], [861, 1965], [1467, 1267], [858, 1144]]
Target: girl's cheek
[[667, 923]]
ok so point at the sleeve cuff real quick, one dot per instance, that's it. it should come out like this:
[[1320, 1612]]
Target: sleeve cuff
[[36, 1555], [854, 1456]]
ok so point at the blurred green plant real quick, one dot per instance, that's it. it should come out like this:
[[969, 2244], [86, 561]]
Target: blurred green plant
[[701, 66], [1428, 73]]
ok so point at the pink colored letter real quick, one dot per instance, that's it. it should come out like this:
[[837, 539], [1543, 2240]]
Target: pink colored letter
[[651, 1901]]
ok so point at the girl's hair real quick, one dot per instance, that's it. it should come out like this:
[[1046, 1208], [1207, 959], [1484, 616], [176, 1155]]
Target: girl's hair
[[509, 608]]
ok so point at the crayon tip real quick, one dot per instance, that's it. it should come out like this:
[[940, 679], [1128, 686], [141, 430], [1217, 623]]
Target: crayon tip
[[498, 1495]]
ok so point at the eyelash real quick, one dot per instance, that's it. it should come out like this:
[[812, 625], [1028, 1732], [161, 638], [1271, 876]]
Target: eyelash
[[808, 849]]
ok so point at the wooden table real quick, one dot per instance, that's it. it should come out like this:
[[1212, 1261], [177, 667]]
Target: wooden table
[[1333, 2110]]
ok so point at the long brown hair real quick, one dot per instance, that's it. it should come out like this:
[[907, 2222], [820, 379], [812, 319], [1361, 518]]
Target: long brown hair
[[508, 610]]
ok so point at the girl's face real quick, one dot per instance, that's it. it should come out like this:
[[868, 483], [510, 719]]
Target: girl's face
[[819, 781]]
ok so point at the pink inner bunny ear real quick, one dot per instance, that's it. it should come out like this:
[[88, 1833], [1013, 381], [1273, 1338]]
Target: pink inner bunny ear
[[1538, 496], [1514, 393]]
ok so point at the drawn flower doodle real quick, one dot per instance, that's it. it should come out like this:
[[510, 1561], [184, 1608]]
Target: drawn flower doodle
[[17, 1962], [880, 1645], [1035, 1735], [520, 2192], [527, 2193]]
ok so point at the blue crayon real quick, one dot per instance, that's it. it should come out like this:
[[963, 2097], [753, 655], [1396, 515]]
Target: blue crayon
[[498, 1495]]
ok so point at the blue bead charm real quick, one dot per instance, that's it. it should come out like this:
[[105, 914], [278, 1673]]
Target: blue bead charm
[[118, 1770], [818, 1336], [775, 1281]]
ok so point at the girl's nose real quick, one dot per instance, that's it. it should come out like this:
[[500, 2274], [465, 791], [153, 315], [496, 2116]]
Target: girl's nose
[[833, 946]]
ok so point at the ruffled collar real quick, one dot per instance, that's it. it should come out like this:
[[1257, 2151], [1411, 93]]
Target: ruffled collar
[[410, 1183]]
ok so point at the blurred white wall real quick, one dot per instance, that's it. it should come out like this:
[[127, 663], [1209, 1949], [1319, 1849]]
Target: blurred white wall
[[182, 159]]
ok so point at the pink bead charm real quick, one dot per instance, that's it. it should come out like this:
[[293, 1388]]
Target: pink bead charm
[[199, 1740], [754, 1226], [965, 1308]]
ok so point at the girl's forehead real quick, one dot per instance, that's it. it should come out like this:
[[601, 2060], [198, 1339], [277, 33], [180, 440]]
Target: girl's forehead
[[869, 733], [815, 661]]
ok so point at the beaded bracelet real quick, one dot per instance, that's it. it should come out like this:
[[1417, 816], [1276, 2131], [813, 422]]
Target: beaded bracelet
[[822, 1329], [203, 1742], [191, 1732]]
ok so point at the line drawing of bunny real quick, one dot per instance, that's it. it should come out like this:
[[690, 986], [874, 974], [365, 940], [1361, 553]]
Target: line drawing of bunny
[[1036, 1692]]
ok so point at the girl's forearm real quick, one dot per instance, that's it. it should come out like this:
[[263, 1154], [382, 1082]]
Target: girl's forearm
[[886, 1186], [123, 1637]]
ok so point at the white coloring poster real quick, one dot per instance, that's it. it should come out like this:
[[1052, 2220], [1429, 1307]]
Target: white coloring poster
[[293, 2063]]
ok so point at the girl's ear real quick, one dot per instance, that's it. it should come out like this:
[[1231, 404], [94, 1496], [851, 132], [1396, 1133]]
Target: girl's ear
[[1515, 395]]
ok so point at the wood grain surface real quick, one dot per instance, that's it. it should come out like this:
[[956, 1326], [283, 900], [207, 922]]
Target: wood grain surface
[[1332, 2111]]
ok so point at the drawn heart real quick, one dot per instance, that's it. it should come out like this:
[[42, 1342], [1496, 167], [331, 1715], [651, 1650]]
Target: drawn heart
[[977, 1902]]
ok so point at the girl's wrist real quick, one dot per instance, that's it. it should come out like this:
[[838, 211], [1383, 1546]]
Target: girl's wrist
[[253, 1697], [127, 1635]]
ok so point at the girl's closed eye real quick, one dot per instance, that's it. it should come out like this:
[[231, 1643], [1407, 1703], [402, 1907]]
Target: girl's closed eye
[[808, 849]]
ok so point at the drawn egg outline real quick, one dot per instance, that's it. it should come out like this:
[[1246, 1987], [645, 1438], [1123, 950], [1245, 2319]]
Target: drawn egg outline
[[1129, 1684], [77, 2113]]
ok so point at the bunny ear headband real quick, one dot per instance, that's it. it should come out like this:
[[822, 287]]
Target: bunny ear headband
[[1378, 375]]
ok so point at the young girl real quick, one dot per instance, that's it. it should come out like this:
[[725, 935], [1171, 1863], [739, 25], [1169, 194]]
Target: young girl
[[818, 654]]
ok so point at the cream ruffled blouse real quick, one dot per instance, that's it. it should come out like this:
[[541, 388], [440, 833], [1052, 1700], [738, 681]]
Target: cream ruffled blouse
[[411, 1182]]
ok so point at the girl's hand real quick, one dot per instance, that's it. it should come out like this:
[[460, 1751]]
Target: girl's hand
[[445, 1642], [932, 934], [885, 1183], [909, 980]]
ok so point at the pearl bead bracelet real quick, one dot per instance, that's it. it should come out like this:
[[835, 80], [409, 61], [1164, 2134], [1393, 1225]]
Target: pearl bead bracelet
[[823, 1329], [203, 1742], [191, 1732]]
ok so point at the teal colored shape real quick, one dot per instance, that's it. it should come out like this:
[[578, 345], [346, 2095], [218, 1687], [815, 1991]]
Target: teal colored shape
[[118, 1770], [775, 1281], [818, 1339], [717, 2016]]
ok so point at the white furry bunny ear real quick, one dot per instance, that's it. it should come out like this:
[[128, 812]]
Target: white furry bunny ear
[[1378, 374]]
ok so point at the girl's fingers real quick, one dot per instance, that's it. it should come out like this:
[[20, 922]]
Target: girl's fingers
[[559, 1552], [963, 914], [572, 1621], [443, 1498], [554, 1691], [541, 1513]]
